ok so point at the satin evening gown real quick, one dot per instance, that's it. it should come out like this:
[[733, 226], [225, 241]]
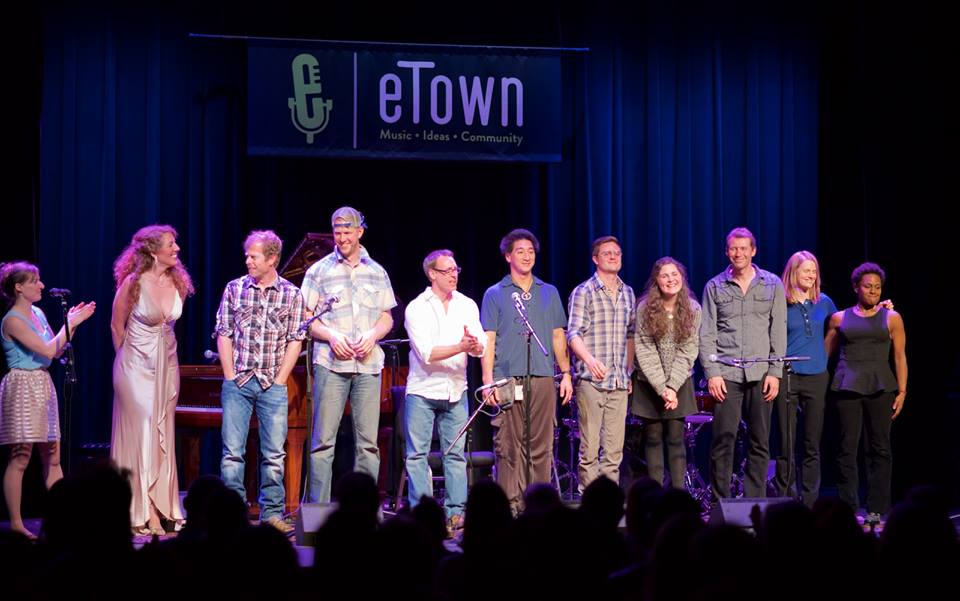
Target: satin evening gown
[[146, 384]]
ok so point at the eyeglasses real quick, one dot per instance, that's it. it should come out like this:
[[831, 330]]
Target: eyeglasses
[[450, 271]]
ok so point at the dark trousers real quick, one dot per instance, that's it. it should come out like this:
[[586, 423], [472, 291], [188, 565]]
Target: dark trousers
[[509, 441], [743, 398], [808, 394], [873, 416], [653, 436]]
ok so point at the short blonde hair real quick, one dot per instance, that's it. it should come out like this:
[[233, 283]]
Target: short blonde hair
[[271, 242]]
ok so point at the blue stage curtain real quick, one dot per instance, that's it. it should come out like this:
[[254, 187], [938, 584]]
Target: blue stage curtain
[[675, 130]]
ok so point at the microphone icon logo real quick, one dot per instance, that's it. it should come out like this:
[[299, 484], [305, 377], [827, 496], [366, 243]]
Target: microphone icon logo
[[309, 112]]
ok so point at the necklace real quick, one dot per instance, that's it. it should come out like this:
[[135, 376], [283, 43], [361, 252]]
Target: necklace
[[160, 281]]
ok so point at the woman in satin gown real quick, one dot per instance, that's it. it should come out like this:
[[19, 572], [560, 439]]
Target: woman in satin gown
[[152, 285]]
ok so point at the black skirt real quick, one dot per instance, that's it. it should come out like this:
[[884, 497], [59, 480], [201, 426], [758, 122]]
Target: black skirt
[[646, 403]]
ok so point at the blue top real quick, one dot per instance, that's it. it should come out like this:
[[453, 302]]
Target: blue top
[[19, 356], [545, 312], [806, 324]]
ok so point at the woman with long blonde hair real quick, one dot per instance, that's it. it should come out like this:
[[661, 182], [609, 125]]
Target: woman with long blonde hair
[[805, 382], [152, 285]]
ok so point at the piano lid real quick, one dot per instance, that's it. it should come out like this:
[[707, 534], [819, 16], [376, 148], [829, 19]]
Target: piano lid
[[311, 249]]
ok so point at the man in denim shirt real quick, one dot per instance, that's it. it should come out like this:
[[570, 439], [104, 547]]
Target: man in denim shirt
[[744, 317]]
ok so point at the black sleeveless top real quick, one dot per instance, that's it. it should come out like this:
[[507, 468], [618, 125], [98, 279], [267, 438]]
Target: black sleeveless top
[[864, 365]]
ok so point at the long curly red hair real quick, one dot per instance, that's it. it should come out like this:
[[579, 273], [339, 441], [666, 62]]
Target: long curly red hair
[[137, 258]]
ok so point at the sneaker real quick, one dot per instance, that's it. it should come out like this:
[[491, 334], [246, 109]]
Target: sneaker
[[278, 523], [871, 519], [454, 525]]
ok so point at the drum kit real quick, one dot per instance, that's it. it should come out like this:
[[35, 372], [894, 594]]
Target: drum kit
[[565, 477]]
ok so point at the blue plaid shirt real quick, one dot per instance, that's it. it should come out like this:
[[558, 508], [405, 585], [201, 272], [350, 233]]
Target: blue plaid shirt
[[363, 293], [605, 323]]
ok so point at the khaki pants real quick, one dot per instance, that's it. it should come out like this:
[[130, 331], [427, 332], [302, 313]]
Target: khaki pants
[[509, 444], [602, 416]]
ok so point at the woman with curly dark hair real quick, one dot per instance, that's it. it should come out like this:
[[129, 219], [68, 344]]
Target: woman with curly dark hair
[[667, 342], [152, 285]]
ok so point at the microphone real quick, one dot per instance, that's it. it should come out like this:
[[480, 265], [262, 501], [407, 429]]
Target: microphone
[[59, 292], [208, 354], [724, 360], [309, 112], [518, 302], [496, 384], [323, 308]]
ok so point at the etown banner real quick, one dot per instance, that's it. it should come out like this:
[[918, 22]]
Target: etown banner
[[404, 102]]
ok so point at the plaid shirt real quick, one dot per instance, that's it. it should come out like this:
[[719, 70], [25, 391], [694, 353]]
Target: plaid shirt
[[605, 324], [363, 293], [260, 323]]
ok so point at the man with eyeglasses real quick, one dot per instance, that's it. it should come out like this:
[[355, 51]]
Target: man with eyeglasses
[[600, 334], [444, 328], [352, 297], [523, 442]]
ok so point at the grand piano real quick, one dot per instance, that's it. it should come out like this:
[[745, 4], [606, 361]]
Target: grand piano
[[199, 408]]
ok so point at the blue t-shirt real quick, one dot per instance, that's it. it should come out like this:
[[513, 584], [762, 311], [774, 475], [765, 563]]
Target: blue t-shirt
[[545, 312], [806, 323], [20, 357]]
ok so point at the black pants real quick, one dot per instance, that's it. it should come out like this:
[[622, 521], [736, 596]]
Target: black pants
[[873, 415], [653, 437], [808, 393], [744, 398]]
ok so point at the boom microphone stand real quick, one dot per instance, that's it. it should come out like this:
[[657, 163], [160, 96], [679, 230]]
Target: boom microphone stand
[[527, 383]]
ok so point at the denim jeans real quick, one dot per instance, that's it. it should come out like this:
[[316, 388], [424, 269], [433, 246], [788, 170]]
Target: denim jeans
[[271, 407], [330, 392], [419, 415]]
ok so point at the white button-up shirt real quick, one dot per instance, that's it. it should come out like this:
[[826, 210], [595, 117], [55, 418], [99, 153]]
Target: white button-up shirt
[[429, 326]]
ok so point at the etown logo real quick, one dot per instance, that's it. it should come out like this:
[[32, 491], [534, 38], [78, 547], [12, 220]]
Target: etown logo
[[309, 112]]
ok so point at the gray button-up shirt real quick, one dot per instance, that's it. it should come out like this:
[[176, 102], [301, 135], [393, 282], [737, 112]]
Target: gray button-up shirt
[[743, 325]]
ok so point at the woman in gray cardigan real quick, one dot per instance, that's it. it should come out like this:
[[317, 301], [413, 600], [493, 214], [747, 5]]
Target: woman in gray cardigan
[[666, 339]]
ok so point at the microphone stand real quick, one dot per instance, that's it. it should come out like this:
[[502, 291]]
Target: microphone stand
[[787, 361], [69, 380], [480, 409], [308, 443], [324, 308], [398, 463], [527, 384]]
